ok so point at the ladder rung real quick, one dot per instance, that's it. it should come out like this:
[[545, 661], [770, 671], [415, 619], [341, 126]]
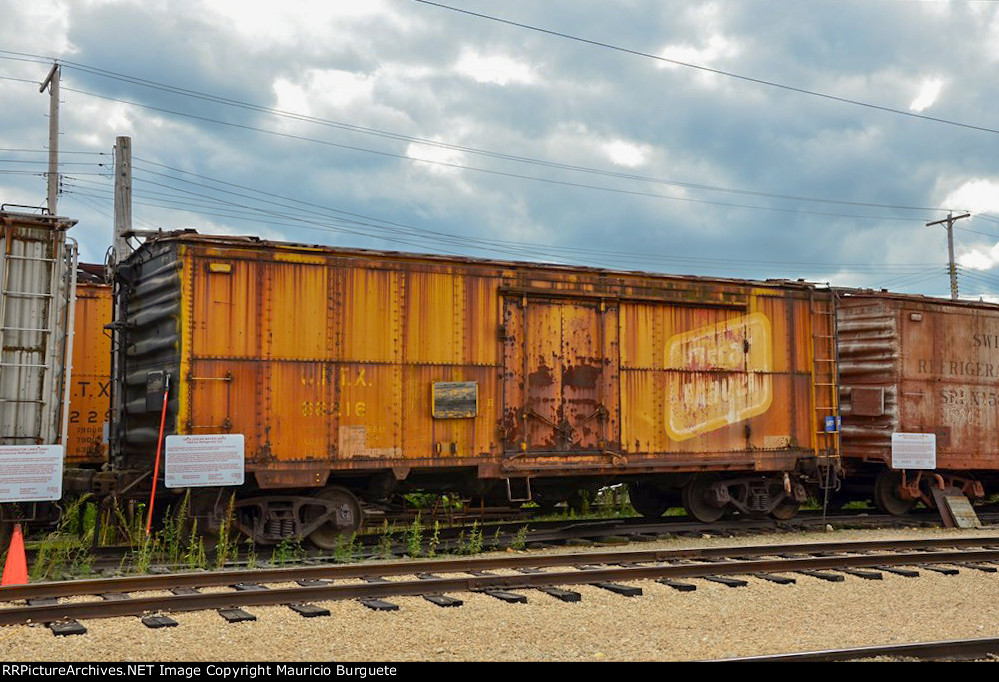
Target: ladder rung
[[25, 294], [18, 364], [818, 384], [4, 400], [30, 258], [24, 329]]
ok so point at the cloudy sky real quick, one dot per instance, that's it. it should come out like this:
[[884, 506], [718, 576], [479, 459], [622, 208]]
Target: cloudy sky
[[745, 138]]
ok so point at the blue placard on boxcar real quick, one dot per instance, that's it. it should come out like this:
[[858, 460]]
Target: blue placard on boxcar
[[832, 424]]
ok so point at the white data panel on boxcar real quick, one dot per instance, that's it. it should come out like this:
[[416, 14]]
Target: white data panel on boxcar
[[913, 451], [31, 473], [203, 460]]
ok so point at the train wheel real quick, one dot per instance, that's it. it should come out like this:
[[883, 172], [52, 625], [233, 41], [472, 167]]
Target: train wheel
[[785, 510], [346, 517], [886, 494], [648, 500], [695, 501]]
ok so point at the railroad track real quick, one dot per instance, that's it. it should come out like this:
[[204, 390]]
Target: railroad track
[[561, 532], [949, 650], [437, 580]]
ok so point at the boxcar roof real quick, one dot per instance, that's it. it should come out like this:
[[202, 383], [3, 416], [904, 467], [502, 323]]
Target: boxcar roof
[[36, 219], [236, 241], [850, 293]]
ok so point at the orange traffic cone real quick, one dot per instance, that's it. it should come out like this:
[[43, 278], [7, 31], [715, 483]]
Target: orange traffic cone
[[15, 571]]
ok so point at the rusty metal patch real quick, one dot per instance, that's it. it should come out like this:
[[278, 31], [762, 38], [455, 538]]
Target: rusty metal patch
[[868, 401], [455, 399], [718, 375]]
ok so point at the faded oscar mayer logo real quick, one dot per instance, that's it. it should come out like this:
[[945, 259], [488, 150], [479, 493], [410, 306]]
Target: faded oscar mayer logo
[[718, 375]]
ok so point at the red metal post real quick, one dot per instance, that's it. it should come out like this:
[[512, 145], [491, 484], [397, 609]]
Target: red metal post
[[159, 448]]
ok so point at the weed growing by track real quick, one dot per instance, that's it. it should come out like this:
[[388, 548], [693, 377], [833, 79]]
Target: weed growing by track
[[227, 547], [519, 541], [414, 538], [385, 542], [346, 549], [68, 547], [288, 551], [435, 540]]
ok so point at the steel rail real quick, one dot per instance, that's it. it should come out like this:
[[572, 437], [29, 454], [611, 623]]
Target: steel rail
[[957, 649], [361, 570], [136, 606]]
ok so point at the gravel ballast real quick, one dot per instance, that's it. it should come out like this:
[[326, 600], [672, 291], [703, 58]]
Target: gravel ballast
[[663, 624]]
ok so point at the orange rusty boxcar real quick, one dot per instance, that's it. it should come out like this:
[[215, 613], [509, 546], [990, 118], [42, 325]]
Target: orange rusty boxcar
[[90, 393], [919, 396], [351, 374]]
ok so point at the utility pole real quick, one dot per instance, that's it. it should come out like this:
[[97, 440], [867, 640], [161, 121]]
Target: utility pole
[[950, 220], [122, 198], [120, 249], [53, 174]]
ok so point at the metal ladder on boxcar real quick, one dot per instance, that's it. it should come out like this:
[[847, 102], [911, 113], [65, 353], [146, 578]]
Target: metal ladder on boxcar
[[825, 382], [25, 413]]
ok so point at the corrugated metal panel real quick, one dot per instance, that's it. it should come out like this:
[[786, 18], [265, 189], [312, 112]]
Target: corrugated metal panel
[[152, 283], [869, 352], [91, 382], [36, 277]]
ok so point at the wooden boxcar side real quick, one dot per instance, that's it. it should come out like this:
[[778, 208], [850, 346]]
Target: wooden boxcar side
[[916, 365], [369, 369]]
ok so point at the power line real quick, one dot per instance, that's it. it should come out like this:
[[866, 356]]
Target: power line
[[489, 171], [729, 74], [239, 210], [296, 204], [443, 145]]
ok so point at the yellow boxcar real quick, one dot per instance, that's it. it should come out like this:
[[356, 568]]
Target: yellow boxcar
[[351, 373], [90, 393]]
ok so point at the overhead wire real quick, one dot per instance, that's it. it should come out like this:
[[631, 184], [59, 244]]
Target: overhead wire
[[720, 72], [424, 141]]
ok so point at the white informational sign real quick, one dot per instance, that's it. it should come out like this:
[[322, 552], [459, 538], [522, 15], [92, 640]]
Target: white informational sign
[[914, 451], [205, 460], [30, 473]]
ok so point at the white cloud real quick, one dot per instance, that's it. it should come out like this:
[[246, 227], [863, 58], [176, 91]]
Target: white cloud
[[498, 69], [627, 154], [718, 47], [980, 259], [977, 196], [39, 27], [436, 155], [291, 97], [928, 94], [292, 22]]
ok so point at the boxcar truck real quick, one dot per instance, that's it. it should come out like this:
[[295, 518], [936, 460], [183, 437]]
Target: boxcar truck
[[37, 282], [342, 376], [920, 397]]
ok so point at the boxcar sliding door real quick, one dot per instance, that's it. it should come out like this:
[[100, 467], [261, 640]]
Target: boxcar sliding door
[[560, 390]]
